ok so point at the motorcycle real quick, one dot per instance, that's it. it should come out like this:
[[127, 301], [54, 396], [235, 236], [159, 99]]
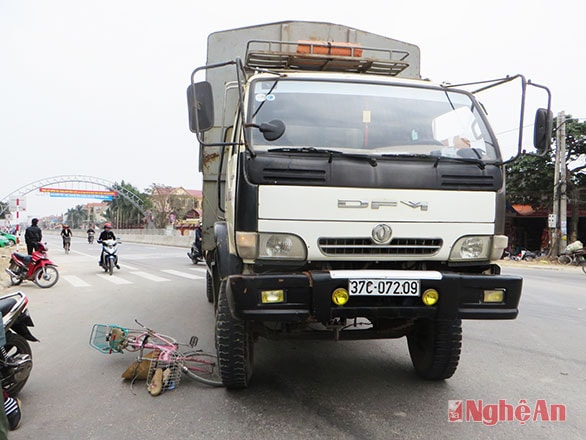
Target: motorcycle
[[520, 255], [66, 244], [109, 255], [16, 360], [194, 254], [527, 255], [90, 238], [36, 267]]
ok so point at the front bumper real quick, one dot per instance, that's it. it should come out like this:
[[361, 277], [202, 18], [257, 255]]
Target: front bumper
[[308, 296]]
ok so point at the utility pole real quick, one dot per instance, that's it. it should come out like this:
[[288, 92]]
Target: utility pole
[[563, 184], [560, 232], [554, 223]]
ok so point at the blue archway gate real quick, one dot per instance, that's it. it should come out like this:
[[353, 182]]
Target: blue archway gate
[[133, 198]]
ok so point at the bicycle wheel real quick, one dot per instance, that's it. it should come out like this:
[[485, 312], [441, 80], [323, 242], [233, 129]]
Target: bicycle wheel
[[201, 367], [583, 264]]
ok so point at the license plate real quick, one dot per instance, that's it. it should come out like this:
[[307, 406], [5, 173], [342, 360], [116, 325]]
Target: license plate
[[384, 287]]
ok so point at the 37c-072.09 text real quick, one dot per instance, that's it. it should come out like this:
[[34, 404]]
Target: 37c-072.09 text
[[383, 287]]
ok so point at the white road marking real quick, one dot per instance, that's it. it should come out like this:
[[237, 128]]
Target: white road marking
[[126, 266], [198, 269], [150, 276], [115, 279], [75, 281], [182, 274]]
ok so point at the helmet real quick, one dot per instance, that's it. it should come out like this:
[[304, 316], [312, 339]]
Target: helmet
[[107, 225]]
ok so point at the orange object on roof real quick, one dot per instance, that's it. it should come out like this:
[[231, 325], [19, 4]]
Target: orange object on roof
[[329, 48]]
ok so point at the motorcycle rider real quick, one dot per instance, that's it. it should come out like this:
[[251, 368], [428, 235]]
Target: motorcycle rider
[[198, 238], [90, 234], [66, 234], [106, 234], [195, 253], [32, 236]]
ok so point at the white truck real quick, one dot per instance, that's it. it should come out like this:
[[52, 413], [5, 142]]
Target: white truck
[[344, 197]]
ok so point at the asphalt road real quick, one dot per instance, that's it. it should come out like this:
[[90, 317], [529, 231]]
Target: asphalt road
[[301, 390]]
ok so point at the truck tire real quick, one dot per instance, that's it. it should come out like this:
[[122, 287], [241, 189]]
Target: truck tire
[[209, 288], [435, 346], [234, 345]]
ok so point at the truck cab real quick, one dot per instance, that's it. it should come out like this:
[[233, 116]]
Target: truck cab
[[344, 197]]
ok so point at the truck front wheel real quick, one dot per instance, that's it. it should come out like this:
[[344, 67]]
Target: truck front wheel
[[435, 346], [234, 344], [209, 288]]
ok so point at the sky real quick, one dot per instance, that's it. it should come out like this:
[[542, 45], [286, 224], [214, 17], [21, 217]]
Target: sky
[[98, 88]]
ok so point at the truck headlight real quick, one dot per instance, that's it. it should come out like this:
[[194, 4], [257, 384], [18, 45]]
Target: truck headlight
[[281, 246], [471, 248], [251, 246]]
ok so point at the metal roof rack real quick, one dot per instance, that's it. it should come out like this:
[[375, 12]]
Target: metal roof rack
[[324, 56]]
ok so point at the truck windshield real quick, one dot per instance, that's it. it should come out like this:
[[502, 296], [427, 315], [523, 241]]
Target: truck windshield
[[371, 118]]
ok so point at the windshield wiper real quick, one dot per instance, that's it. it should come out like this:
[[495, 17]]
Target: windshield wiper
[[437, 158], [407, 155], [331, 153], [471, 160]]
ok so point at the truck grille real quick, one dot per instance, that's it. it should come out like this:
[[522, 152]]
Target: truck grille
[[366, 247], [293, 175]]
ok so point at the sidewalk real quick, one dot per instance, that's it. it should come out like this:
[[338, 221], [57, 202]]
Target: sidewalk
[[541, 263]]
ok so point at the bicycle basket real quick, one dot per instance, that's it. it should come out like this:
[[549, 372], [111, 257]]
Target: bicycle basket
[[171, 373], [108, 338]]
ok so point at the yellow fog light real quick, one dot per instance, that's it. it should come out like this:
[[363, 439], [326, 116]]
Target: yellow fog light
[[340, 296], [272, 296], [494, 296], [430, 297]]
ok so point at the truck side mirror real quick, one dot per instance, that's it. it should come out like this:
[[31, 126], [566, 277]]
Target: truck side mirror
[[272, 130], [200, 104], [542, 129]]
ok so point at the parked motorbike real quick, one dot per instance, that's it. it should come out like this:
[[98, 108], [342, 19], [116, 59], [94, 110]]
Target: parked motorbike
[[527, 255], [36, 267], [520, 255], [16, 360], [109, 255], [194, 254]]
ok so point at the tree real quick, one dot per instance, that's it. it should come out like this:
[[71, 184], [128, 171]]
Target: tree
[[160, 196], [76, 216], [122, 213], [167, 202], [530, 179]]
